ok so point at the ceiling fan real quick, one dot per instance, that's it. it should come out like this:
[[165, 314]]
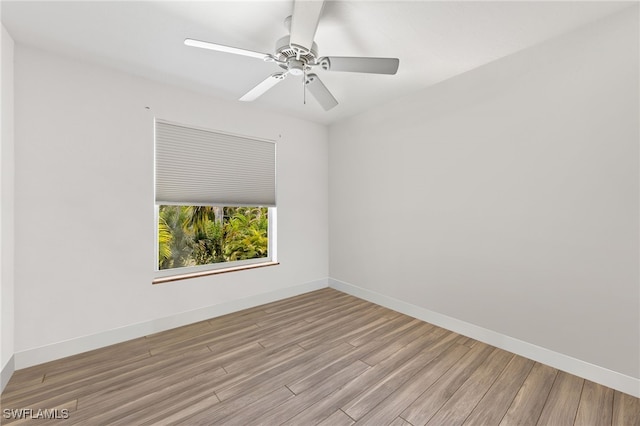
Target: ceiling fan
[[297, 54]]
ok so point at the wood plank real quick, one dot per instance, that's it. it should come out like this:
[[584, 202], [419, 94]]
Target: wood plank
[[84, 362], [414, 330], [329, 324], [596, 405], [371, 322], [396, 325], [191, 399], [293, 406], [248, 362], [124, 405], [101, 389], [458, 407], [626, 410], [427, 365], [259, 408], [312, 360], [399, 421], [428, 403], [562, 404], [399, 399], [418, 353], [530, 399], [495, 403], [297, 312], [104, 366], [76, 386], [338, 418], [210, 338], [378, 344], [353, 304], [179, 415], [362, 321], [108, 407], [256, 389]]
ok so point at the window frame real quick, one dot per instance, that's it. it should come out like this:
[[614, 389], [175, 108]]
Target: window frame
[[186, 272]]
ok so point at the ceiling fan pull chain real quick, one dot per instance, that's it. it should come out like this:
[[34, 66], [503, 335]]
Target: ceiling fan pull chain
[[304, 87]]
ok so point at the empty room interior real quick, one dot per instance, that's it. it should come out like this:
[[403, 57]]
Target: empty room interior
[[207, 218]]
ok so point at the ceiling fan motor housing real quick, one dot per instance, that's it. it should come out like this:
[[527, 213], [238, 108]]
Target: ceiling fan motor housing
[[291, 59]]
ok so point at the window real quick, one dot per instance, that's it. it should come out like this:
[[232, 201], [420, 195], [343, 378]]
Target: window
[[215, 200], [203, 235]]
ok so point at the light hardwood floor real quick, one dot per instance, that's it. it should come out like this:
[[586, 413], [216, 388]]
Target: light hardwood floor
[[320, 358]]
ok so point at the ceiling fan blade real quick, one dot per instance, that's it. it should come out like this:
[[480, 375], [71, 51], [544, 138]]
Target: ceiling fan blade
[[263, 86], [368, 65], [320, 92], [304, 23], [226, 49]]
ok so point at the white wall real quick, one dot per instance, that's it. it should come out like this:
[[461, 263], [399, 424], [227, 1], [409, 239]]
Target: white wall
[[506, 197], [85, 209], [6, 210]]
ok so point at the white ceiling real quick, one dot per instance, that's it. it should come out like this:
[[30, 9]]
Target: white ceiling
[[433, 40]]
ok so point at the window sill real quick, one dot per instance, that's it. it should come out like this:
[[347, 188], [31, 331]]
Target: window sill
[[161, 280]]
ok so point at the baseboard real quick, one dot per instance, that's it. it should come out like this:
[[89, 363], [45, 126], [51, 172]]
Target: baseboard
[[7, 372], [595, 373], [78, 345]]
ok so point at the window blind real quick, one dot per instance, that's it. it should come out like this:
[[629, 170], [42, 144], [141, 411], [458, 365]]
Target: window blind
[[201, 167]]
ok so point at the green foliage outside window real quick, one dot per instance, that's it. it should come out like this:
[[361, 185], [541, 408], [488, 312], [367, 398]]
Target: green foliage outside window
[[201, 235]]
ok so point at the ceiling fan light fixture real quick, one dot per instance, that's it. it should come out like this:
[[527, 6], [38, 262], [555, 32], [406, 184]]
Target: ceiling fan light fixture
[[296, 67]]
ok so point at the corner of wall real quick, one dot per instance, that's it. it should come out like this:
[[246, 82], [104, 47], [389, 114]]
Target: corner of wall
[[6, 207]]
